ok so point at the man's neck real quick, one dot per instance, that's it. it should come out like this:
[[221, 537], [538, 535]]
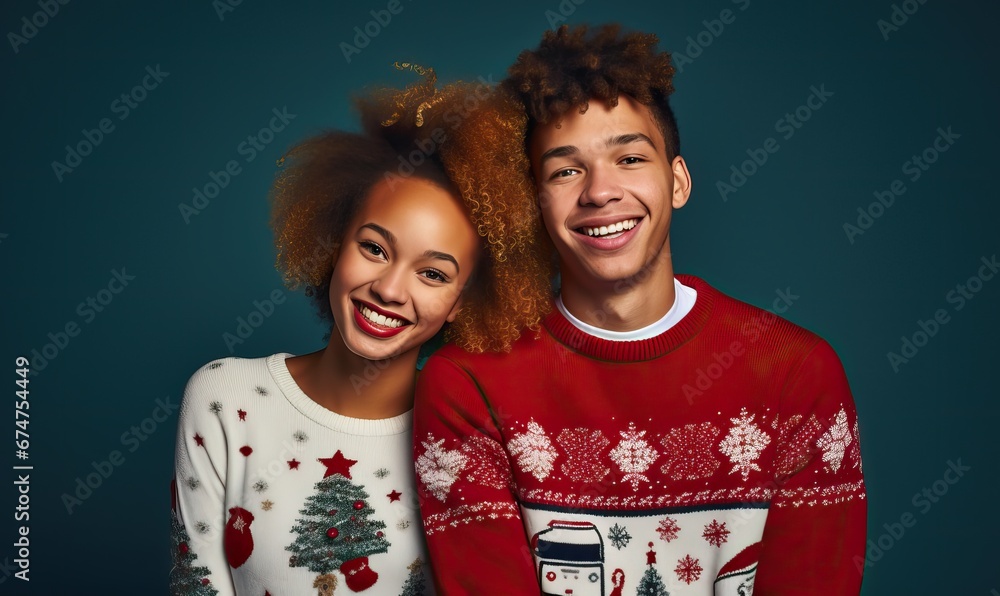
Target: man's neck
[[621, 305]]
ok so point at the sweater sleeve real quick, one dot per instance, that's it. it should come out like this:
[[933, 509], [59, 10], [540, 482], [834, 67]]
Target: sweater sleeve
[[815, 530], [475, 536], [199, 495]]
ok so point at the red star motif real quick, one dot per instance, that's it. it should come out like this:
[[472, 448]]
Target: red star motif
[[338, 464], [199, 440], [246, 450], [394, 495], [293, 464], [242, 413]]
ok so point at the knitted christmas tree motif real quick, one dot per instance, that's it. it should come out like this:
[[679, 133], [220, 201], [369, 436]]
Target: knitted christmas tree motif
[[415, 583], [335, 532], [186, 577], [651, 583]]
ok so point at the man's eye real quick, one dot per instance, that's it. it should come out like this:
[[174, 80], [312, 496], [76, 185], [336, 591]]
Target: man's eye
[[565, 173], [630, 160], [372, 248]]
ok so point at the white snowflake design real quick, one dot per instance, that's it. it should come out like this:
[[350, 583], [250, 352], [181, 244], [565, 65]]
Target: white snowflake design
[[744, 443], [634, 455], [795, 442], [835, 441], [534, 451], [439, 468], [688, 570], [668, 529], [715, 533]]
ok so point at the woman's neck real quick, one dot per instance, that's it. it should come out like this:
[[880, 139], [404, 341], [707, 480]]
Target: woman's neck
[[345, 383]]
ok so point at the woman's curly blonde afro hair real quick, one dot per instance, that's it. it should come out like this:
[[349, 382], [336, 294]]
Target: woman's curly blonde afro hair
[[571, 67], [466, 138]]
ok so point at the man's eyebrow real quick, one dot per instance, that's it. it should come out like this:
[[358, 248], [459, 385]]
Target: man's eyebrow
[[434, 254], [381, 231], [632, 137], [564, 151]]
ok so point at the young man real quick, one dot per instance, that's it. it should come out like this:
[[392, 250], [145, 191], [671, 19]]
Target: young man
[[656, 436]]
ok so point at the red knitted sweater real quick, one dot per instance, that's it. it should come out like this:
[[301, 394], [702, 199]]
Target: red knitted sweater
[[719, 457]]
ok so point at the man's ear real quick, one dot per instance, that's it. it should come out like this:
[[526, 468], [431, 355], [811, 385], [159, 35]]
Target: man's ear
[[682, 182]]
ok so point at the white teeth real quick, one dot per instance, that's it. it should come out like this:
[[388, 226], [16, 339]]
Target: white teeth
[[627, 224], [380, 319]]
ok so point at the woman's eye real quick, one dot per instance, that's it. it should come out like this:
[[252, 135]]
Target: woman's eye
[[372, 249], [435, 275]]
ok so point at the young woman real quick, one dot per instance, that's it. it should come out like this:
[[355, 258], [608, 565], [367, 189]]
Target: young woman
[[294, 474]]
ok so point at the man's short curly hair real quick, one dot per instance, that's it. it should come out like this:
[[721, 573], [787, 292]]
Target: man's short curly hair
[[469, 141], [571, 67]]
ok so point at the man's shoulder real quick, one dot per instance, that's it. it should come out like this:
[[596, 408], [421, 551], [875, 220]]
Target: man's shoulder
[[762, 328]]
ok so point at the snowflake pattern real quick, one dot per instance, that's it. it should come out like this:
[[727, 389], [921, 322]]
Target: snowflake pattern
[[688, 451], [583, 454], [534, 451], [300, 437], [488, 465], [261, 391], [744, 443], [715, 533], [439, 468], [402, 524], [633, 455], [668, 529], [215, 407], [619, 536], [381, 473], [835, 441], [855, 451], [260, 486], [688, 570], [202, 527], [266, 504], [795, 441]]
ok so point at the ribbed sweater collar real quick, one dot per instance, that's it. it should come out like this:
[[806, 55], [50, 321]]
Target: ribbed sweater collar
[[637, 350]]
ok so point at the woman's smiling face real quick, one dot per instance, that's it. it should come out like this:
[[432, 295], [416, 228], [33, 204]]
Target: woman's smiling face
[[401, 268]]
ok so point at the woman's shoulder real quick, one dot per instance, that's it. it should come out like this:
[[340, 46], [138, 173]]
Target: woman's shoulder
[[223, 377]]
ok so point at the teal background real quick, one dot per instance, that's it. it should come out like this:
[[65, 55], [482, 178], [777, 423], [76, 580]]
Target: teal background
[[782, 230]]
